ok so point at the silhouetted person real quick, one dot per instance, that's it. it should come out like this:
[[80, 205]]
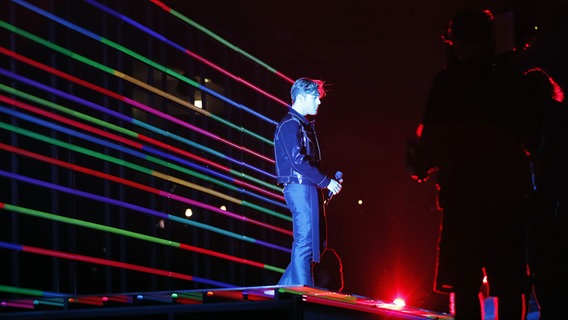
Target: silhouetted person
[[549, 224], [472, 134]]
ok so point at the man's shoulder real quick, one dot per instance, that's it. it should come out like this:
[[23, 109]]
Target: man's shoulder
[[289, 118], [289, 122]]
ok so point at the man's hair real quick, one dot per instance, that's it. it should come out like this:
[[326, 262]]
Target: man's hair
[[305, 86]]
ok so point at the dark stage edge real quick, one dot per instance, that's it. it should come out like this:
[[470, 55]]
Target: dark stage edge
[[268, 302]]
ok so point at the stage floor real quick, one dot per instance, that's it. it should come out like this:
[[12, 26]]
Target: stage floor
[[268, 302]]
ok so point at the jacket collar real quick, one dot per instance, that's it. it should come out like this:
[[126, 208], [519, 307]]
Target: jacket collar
[[303, 119]]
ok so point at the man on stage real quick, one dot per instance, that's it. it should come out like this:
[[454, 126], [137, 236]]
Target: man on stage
[[298, 160]]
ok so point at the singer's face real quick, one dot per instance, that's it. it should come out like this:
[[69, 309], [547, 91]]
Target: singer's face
[[311, 104]]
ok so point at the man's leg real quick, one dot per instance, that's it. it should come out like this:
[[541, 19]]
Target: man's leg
[[299, 271]]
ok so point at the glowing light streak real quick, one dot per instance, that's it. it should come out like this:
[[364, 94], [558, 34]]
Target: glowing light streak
[[26, 291], [141, 58], [136, 153], [184, 50], [113, 263], [139, 186], [127, 164], [121, 129], [135, 235], [145, 86], [116, 114], [136, 144], [137, 208], [28, 304], [218, 38], [148, 171]]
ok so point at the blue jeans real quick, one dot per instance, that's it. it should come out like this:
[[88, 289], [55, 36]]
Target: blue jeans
[[303, 202]]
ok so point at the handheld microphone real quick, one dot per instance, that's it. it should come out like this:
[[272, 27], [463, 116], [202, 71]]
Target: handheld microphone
[[338, 176]]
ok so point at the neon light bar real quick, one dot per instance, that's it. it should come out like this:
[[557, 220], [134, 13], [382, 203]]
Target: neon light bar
[[104, 228], [154, 153], [112, 263], [103, 123], [140, 187], [184, 50], [141, 58], [50, 302], [18, 304], [143, 85], [134, 152], [138, 209], [162, 298], [30, 292], [93, 301], [123, 99], [156, 191], [218, 38], [121, 162], [121, 299], [117, 128]]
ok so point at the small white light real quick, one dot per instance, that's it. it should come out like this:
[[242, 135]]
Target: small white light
[[188, 212], [223, 208], [399, 302], [360, 202]]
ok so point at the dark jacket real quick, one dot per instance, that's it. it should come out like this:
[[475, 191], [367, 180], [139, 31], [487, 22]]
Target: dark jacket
[[297, 153]]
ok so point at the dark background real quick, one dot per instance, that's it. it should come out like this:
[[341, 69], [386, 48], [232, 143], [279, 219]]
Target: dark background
[[378, 59]]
